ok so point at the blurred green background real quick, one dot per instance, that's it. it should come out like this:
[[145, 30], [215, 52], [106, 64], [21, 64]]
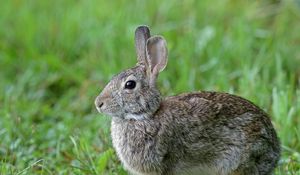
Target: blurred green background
[[56, 56]]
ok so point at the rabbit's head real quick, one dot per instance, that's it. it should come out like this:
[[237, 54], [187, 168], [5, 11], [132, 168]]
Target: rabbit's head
[[133, 93]]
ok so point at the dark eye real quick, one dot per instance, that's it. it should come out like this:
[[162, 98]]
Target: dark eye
[[130, 84]]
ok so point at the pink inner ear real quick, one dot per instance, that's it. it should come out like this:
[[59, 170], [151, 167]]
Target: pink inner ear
[[157, 56], [157, 53]]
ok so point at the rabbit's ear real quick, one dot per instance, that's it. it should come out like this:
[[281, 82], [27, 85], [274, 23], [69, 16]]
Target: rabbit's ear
[[157, 56], [142, 34]]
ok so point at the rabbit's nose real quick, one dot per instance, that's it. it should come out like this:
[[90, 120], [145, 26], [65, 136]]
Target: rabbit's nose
[[100, 104]]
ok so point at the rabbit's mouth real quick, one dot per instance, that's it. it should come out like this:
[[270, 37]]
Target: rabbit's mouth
[[109, 110], [107, 107], [99, 109], [111, 114]]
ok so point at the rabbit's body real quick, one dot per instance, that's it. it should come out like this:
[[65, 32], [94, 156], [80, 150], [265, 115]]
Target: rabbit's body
[[205, 133], [215, 133]]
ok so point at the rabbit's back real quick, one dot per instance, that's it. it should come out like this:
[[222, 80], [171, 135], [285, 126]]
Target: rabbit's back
[[225, 131]]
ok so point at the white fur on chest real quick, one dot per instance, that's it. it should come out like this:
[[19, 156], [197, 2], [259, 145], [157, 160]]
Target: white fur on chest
[[135, 116]]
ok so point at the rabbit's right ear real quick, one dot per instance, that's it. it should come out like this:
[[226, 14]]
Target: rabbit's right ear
[[157, 56], [142, 33]]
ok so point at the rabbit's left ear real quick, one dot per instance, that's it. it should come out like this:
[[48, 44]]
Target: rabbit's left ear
[[142, 33], [157, 56]]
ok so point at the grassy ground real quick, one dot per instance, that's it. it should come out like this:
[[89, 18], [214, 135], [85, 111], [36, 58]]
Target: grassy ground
[[56, 56]]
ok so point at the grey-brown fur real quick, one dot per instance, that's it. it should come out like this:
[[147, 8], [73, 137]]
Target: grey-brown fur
[[192, 133]]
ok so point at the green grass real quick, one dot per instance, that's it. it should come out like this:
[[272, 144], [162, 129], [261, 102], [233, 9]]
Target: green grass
[[56, 56]]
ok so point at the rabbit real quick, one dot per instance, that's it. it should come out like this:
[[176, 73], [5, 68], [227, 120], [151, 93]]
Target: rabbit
[[199, 133]]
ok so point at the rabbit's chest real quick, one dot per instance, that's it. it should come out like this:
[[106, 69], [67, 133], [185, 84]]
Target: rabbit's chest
[[132, 141]]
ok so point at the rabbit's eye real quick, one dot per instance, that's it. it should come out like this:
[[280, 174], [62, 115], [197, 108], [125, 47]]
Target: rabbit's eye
[[130, 84]]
